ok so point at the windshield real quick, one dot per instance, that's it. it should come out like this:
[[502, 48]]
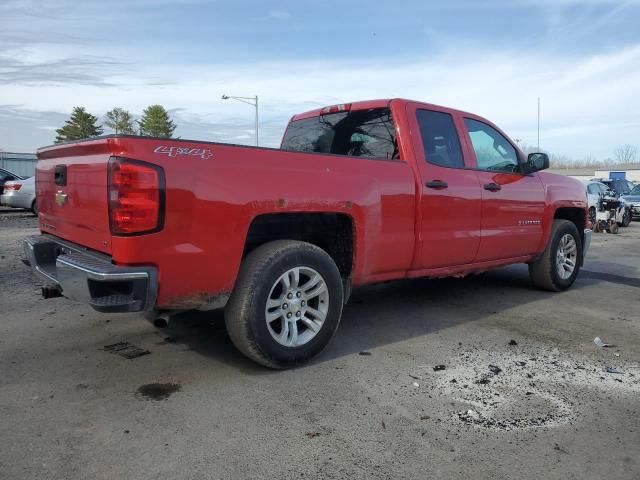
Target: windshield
[[361, 133], [636, 190]]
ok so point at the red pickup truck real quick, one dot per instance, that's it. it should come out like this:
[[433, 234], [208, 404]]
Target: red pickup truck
[[358, 193]]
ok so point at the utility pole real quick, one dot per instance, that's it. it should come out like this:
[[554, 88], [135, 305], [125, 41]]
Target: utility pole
[[538, 123], [253, 101]]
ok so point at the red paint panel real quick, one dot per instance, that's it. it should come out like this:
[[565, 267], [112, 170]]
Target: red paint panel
[[83, 215], [511, 217], [449, 218], [210, 205], [214, 191]]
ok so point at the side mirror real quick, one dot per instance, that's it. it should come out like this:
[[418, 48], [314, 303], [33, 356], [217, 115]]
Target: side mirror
[[537, 162]]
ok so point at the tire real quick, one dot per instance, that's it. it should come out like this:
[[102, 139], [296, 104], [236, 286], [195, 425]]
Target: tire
[[34, 207], [544, 272], [262, 277], [626, 218]]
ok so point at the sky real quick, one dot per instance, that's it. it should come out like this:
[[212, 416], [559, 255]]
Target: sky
[[491, 57]]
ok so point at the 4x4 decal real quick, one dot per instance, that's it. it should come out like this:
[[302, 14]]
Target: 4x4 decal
[[203, 153]]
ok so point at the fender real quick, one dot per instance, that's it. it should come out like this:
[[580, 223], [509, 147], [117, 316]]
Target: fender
[[560, 192]]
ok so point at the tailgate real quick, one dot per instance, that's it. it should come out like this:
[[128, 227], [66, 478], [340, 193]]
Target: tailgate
[[71, 188]]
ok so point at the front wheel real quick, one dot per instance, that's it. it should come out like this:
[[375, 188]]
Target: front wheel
[[558, 267], [286, 304]]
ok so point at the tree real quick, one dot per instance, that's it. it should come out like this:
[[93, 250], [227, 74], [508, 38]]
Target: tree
[[120, 120], [625, 154], [81, 125], [155, 122]]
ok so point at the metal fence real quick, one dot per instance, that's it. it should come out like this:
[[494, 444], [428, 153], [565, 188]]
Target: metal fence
[[22, 164]]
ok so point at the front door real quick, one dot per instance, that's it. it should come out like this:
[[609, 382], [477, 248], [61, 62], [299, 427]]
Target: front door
[[449, 194], [512, 203]]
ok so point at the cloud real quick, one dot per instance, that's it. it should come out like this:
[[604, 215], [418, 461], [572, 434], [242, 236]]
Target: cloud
[[57, 54], [86, 70], [586, 93]]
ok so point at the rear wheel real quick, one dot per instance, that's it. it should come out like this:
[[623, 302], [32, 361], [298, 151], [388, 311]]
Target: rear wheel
[[34, 207], [286, 304], [558, 267]]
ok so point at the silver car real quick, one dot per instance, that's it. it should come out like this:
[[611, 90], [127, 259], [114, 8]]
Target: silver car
[[20, 194]]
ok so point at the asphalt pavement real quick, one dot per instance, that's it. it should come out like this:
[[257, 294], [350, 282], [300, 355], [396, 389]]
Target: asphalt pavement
[[478, 377]]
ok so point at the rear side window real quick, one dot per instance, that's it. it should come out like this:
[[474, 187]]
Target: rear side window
[[7, 177], [593, 188], [360, 133], [493, 150], [440, 139]]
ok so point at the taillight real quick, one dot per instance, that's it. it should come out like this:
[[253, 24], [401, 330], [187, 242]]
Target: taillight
[[136, 197], [12, 186]]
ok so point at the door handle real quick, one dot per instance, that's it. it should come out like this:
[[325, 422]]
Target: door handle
[[437, 184], [492, 187]]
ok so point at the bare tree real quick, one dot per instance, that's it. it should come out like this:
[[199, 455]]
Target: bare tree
[[625, 154]]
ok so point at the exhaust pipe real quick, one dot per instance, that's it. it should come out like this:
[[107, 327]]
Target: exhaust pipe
[[51, 292], [161, 320]]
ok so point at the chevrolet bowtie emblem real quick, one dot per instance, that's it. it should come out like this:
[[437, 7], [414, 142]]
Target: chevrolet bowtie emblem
[[61, 198]]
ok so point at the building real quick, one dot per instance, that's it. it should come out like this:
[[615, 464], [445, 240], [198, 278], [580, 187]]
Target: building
[[23, 164], [631, 174], [628, 172]]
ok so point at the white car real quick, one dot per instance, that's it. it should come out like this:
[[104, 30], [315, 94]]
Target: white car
[[20, 194], [595, 190]]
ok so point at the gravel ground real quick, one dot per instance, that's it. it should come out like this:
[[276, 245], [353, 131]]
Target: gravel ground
[[479, 377]]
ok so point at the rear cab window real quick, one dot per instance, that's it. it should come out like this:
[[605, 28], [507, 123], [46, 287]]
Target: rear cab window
[[440, 139], [366, 133]]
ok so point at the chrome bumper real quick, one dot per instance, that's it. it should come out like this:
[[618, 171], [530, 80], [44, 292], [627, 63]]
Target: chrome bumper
[[586, 241], [89, 277]]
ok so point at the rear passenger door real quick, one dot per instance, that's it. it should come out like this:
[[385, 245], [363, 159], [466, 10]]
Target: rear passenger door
[[512, 202], [448, 193]]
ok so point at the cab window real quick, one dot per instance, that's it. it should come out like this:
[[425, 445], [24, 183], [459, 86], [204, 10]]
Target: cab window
[[359, 133], [440, 139], [493, 151]]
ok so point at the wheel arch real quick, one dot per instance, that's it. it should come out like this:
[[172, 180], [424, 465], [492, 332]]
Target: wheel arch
[[576, 215], [333, 232]]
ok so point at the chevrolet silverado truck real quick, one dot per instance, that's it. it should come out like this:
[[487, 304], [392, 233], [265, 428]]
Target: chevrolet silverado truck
[[357, 194]]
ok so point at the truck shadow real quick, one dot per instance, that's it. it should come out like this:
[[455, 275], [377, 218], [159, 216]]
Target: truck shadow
[[383, 314]]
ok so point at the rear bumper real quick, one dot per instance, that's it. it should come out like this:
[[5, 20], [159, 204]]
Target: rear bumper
[[89, 277], [17, 200]]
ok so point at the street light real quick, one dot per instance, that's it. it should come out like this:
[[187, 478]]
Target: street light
[[253, 101]]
